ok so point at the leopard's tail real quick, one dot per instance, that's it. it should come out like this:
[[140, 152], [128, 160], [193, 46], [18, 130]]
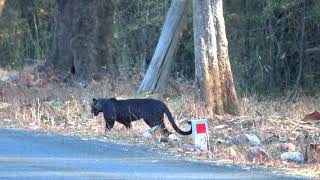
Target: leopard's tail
[[174, 125]]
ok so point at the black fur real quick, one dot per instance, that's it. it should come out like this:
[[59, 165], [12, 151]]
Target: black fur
[[126, 111]]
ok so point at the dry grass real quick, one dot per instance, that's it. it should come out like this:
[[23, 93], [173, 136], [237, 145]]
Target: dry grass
[[47, 105]]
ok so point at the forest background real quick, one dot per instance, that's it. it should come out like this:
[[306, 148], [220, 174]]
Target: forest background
[[264, 40]]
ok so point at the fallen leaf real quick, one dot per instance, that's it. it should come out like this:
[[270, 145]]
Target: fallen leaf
[[294, 136], [287, 147], [315, 116]]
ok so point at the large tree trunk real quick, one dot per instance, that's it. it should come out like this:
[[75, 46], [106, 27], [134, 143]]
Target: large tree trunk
[[213, 72], [1, 6], [159, 68], [229, 95], [82, 38]]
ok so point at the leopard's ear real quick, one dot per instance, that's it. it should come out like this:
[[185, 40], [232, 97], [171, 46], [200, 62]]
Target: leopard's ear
[[94, 100]]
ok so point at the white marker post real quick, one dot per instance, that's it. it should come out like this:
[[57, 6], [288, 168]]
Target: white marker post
[[200, 135]]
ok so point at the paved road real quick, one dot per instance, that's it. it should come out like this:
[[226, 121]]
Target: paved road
[[34, 155]]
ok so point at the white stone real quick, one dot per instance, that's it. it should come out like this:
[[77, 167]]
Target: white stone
[[4, 105], [292, 156], [173, 137]]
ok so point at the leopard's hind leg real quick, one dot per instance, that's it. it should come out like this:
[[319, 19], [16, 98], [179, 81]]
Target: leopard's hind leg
[[164, 130]]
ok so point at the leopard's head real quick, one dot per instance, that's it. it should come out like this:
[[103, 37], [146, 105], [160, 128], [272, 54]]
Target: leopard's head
[[96, 106]]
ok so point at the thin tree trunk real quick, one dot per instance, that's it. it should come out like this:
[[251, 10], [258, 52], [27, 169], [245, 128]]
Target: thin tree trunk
[[1, 6], [294, 92], [213, 72], [159, 68]]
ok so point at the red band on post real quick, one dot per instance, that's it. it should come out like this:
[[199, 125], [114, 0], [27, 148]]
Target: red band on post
[[201, 128]]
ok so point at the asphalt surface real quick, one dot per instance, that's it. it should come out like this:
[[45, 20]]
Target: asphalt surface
[[33, 155]]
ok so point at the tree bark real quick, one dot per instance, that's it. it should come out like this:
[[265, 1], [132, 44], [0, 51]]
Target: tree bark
[[213, 74], [82, 38], [229, 96], [155, 79], [1, 6]]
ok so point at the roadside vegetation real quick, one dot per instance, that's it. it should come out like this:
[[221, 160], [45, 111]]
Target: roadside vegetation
[[30, 102]]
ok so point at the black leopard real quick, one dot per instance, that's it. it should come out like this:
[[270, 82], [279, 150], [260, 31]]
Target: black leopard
[[129, 110]]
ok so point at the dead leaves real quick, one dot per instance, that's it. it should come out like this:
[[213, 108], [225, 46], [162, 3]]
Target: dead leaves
[[282, 135], [315, 147], [312, 153], [315, 116], [268, 130], [257, 153], [287, 147]]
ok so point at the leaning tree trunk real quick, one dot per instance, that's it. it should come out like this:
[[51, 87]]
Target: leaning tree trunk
[[159, 68], [82, 37], [1, 6], [212, 72]]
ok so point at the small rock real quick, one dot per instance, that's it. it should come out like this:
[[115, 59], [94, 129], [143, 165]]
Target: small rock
[[292, 156], [287, 147], [173, 137], [248, 138], [258, 152], [4, 105]]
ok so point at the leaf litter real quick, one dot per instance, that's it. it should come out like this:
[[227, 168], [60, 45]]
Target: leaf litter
[[267, 130]]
